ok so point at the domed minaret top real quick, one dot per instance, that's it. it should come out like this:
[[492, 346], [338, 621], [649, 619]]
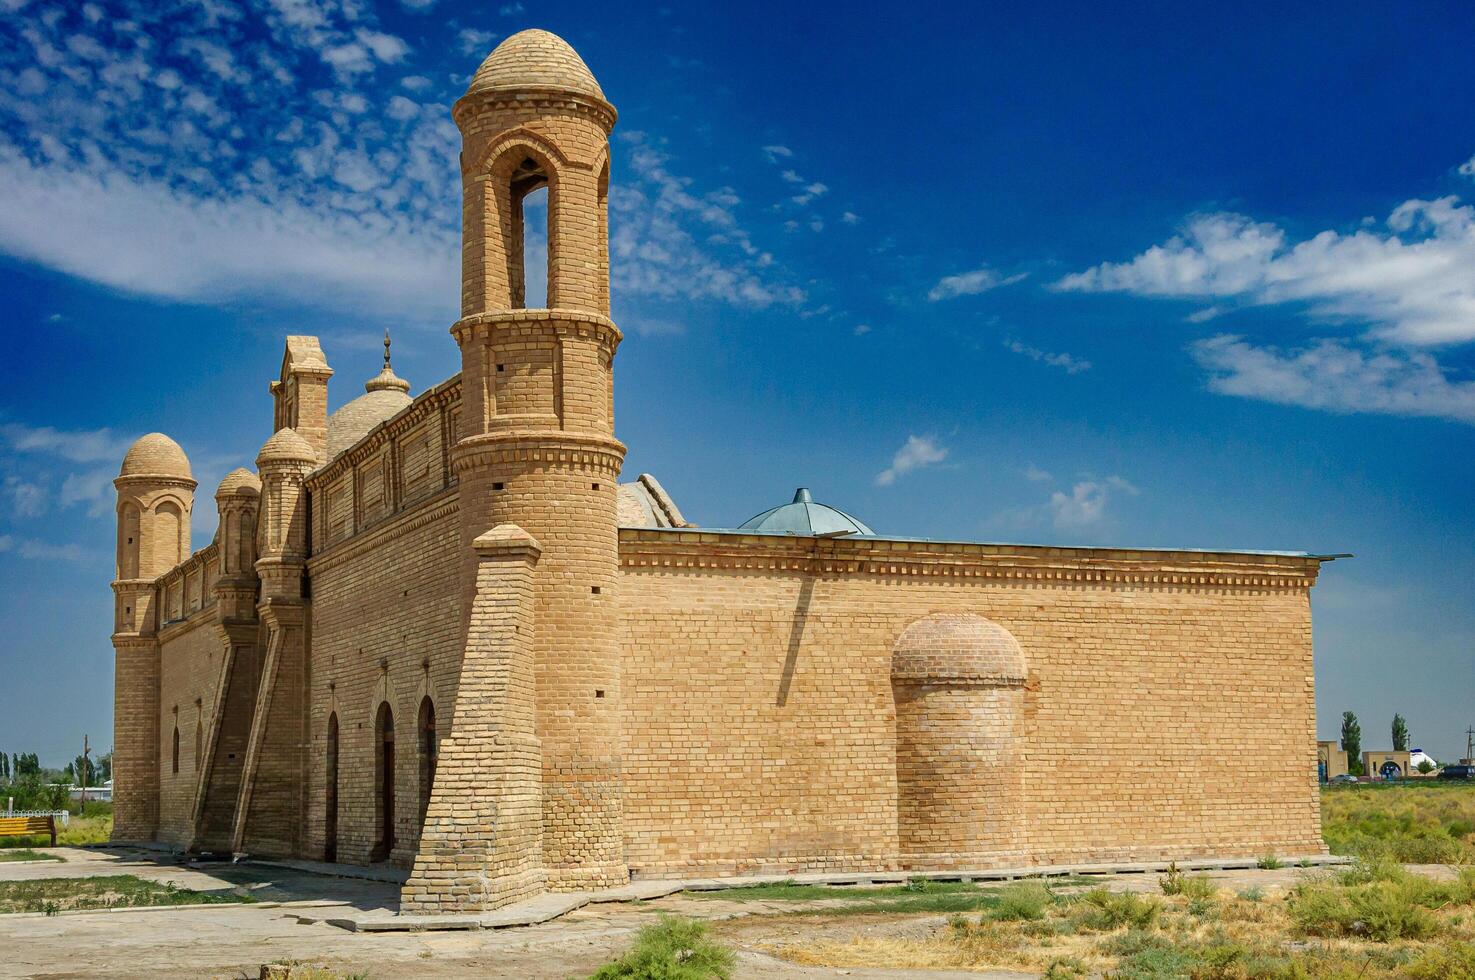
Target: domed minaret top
[[386, 379], [534, 60], [156, 455]]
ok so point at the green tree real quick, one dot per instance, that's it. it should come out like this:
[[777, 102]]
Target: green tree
[[1400, 734], [4, 766], [105, 767], [1352, 742]]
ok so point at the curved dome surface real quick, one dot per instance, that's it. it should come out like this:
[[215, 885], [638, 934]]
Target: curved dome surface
[[238, 480], [287, 445], [156, 455], [805, 517], [957, 646], [535, 59], [357, 419]]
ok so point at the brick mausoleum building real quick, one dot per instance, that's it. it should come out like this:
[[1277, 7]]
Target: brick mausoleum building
[[437, 632]]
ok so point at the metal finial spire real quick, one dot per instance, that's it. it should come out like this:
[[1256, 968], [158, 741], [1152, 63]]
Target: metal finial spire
[[386, 348]]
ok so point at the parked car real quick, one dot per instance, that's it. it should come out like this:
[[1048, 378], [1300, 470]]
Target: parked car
[[1457, 772], [1345, 777]]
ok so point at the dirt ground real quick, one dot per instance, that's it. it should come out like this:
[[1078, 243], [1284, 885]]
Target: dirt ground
[[234, 940]]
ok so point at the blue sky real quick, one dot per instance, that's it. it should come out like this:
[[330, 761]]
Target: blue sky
[[1166, 275]]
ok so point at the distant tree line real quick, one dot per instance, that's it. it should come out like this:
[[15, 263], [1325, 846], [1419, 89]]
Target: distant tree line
[[34, 787]]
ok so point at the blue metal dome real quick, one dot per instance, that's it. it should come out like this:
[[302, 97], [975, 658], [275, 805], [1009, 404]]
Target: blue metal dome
[[805, 517]]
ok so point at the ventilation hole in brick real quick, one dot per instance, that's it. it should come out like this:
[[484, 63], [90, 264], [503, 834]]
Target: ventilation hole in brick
[[598, 693], [501, 367], [499, 486], [594, 486], [594, 589]]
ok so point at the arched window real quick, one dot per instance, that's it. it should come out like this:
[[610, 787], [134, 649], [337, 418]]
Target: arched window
[[384, 780], [168, 527], [330, 819], [526, 198], [199, 740], [428, 751], [176, 747], [603, 205], [128, 544]]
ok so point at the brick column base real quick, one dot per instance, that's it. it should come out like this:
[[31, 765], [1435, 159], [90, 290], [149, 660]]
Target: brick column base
[[482, 844]]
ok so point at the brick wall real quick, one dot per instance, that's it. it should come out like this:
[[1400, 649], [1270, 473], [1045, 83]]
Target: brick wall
[[385, 604], [190, 656], [760, 717]]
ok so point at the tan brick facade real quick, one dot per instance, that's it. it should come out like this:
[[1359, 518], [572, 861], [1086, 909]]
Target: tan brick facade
[[422, 636]]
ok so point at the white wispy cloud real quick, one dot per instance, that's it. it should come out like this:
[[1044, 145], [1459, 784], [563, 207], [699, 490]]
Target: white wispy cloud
[[1333, 375], [916, 453], [1467, 169], [475, 42], [83, 446], [670, 240], [1068, 363], [29, 548], [139, 165], [1412, 279], [1085, 504], [971, 283]]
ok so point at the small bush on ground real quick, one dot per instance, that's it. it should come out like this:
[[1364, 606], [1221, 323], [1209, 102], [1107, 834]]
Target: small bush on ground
[[671, 949], [1175, 882], [1023, 901], [1101, 910], [1269, 862]]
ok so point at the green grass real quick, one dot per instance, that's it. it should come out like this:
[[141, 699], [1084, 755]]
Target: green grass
[[917, 895], [1430, 822], [26, 854], [93, 826], [53, 895], [671, 949]]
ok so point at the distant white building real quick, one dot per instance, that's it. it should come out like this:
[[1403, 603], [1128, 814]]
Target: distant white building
[[99, 794], [1417, 757]]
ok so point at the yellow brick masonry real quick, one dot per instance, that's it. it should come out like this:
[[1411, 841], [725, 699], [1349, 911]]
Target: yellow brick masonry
[[761, 719], [653, 702], [482, 844]]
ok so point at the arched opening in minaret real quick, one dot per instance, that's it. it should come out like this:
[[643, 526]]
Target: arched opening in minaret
[[602, 203], [535, 248], [384, 780], [330, 816], [176, 749], [527, 196], [428, 751]]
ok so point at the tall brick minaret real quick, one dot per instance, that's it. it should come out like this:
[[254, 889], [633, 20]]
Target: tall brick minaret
[[536, 457], [156, 494]]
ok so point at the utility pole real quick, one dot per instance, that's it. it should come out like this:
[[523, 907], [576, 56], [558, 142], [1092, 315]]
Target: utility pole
[[86, 750], [1469, 743]]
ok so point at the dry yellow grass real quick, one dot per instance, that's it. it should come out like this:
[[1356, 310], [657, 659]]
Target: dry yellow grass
[[1217, 936]]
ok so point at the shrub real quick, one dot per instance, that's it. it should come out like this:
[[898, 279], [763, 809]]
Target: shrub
[[1252, 894], [1025, 900], [671, 949], [1269, 862], [1452, 962], [1380, 910], [1104, 910], [1196, 887]]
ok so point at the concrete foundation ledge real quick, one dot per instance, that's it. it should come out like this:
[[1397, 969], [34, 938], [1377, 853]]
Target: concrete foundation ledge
[[547, 907]]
